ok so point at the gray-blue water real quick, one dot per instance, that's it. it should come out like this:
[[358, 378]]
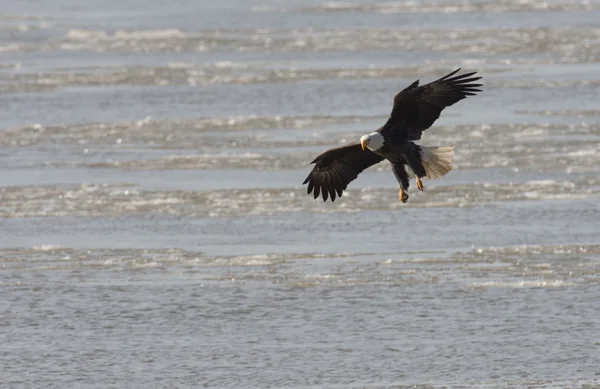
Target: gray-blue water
[[154, 232]]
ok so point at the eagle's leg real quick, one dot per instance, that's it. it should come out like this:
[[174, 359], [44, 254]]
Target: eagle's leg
[[402, 177], [419, 183], [412, 154], [402, 195]]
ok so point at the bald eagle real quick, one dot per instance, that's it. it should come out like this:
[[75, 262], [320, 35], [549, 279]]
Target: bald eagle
[[415, 109]]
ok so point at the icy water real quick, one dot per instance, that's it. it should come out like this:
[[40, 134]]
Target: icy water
[[154, 232]]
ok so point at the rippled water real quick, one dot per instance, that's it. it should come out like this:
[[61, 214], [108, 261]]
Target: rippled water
[[155, 232]]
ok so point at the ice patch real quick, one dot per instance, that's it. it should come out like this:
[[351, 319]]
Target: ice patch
[[521, 284], [86, 35], [83, 35], [47, 247]]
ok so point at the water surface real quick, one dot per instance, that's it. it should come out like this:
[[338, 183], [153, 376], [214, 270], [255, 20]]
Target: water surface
[[155, 232]]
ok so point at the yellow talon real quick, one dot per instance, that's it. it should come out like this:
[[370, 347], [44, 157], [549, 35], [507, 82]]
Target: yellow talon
[[403, 196], [419, 184]]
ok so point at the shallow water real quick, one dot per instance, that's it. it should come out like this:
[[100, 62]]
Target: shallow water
[[155, 232]]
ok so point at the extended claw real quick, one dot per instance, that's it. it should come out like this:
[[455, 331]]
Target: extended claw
[[403, 196], [419, 184]]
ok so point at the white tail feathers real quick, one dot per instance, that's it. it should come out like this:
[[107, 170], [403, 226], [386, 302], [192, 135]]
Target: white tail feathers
[[437, 161]]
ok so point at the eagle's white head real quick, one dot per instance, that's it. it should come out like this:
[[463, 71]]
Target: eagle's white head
[[374, 141]]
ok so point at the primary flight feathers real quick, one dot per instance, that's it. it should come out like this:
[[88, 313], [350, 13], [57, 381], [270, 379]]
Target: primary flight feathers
[[415, 109]]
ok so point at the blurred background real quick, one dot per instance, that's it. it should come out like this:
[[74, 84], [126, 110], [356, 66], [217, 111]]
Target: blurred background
[[154, 231]]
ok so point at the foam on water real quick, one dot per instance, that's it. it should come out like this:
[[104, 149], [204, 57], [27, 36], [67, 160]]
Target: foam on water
[[452, 7]]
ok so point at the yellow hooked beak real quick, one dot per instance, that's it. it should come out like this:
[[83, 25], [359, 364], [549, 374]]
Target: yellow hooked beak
[[362, 144]]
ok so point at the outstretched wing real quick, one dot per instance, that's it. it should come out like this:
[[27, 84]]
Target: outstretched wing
[[416, 107], [336, 168]]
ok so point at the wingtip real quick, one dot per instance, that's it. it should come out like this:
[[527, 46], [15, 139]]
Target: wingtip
[[414, 84], [450, 74]]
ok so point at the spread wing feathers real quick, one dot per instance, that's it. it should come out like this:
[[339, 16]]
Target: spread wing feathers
[[416, 107], [336, 168]]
